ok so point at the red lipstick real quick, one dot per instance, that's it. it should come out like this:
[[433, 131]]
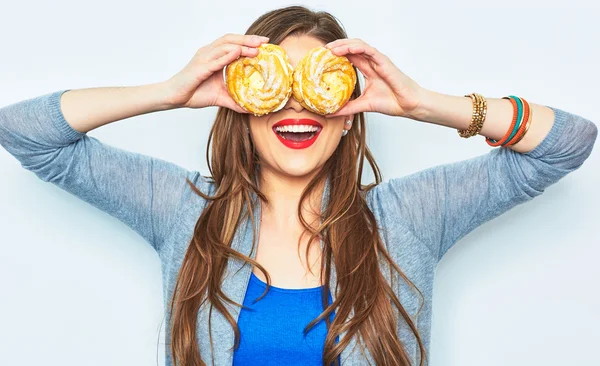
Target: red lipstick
[[295, 144]]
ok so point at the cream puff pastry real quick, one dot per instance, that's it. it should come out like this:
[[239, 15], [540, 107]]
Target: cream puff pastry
[[323, 82], [260, 84]]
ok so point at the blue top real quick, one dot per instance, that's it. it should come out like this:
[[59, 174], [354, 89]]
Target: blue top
[[272, 329], [421, 215]]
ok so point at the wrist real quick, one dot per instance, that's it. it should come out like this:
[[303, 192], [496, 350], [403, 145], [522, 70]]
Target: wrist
[[428, 100], [443, 109], [161, 93]]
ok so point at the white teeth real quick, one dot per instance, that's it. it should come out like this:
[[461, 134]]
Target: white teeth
[[297, 128]]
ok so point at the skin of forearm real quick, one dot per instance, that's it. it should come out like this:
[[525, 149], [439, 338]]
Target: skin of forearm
[[456, 112], [87, 109]]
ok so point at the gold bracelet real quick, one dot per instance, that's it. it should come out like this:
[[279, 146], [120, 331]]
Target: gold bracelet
[[479, 113]]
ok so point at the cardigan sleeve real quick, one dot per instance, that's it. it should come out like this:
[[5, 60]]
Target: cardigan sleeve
[[442, 204], [143, 192]]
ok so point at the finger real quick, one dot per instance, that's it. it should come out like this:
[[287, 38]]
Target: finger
[[360, 104], [241, 39], [220, 62], [228, 102], [352, 50], [344, 49], [354, 47], [360, 48], [362, 64], [226, 48], [340, 42]]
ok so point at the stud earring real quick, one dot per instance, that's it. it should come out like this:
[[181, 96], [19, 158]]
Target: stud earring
[[345, 131]]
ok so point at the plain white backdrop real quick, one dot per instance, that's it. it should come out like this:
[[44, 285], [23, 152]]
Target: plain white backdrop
[[77, 287]]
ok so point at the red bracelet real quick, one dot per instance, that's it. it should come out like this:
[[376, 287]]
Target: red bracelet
[[510, 129], [524, 126]]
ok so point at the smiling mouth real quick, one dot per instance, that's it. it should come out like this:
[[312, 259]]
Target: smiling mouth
[[297, 133]]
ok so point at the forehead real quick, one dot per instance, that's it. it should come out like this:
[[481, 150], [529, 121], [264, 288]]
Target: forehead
[[297, 47]]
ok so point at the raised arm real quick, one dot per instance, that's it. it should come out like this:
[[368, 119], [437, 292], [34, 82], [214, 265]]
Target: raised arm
[[442, 204], [141, 191], [47, 134]]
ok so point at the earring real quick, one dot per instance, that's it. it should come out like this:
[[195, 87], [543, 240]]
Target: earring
[[345, 131], [247, 129]]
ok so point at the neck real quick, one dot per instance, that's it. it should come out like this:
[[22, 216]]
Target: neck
[[283, 193]]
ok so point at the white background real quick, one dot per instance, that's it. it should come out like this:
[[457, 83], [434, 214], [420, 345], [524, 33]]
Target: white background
[[77, 287]]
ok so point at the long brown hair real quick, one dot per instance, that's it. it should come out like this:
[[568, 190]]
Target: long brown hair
[[348, 228]]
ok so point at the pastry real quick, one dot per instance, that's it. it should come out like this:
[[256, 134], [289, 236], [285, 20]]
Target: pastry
[[260, 84], [323, 82]]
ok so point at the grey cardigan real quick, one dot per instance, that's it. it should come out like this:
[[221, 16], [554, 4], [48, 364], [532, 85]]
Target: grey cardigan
[[421, 215]]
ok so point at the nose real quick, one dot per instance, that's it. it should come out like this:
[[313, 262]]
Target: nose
[[293, 104]]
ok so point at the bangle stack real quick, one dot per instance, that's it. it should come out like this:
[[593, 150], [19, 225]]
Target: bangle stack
[[479, 112], [521, 121]]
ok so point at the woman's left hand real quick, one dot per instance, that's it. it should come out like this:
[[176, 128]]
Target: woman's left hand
[[387, 89]]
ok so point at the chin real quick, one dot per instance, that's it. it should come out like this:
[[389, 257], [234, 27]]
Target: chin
[[298, 167]]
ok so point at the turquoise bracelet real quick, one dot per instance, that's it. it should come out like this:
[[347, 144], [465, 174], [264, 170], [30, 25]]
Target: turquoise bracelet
[[519, 118]]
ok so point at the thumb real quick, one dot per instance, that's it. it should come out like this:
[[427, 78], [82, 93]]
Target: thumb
[[354, 106], [228, 102]]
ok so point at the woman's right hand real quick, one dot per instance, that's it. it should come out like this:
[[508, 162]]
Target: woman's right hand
[[200, 83]]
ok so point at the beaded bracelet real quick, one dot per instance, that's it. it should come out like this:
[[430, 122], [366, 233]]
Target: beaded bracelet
[[522, 116], [479, 113]]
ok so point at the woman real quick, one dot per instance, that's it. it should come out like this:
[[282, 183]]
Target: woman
[[361, 290]]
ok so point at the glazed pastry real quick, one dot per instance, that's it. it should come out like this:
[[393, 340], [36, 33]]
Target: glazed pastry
[[260, 84], [323, 82]]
